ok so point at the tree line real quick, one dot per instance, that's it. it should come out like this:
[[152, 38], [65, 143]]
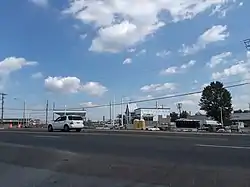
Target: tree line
[[216, 101]]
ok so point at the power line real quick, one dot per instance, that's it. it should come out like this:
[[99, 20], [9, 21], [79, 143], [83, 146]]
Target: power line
[[142, 100]]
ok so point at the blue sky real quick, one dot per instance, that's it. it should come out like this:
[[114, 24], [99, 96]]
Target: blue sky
[[115, 48]]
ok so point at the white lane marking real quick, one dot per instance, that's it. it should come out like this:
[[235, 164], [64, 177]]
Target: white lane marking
[[222, 146], [45, 136], [6, 144]]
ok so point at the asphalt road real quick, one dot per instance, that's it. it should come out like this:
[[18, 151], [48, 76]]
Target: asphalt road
[[37, 158]]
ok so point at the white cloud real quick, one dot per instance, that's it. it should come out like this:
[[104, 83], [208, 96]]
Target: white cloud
[[195, 82], [214, 34], [120, 26], [37, 75], [127, 61], [241, 68], [40, 2], [117, 37], [88, 104], [131, 50], [94, 88], [218, 59], [83, 36], [175, 69], [189, 64], [170, 70], [158, 87], [12, 64], [237, 69], [163, 53], [141, 52], [73, 85]]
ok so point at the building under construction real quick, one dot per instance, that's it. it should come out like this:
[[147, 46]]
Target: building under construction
[[153, 116]]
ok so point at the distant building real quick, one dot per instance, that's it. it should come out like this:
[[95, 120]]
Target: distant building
[[130, 112], [241, 117], [16, 121], [153, 116], [235, 117], [198, 116]]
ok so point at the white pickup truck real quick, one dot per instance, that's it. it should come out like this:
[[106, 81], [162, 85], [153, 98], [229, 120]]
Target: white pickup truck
[[67, 123]]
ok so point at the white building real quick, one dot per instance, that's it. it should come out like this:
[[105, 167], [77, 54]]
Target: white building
[[160, 115]]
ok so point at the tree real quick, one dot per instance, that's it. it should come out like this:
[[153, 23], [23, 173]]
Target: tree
[[184, 114], [173, 116], [216, 99]]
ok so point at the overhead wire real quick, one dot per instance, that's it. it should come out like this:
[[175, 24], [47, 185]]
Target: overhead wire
[[242, 83]]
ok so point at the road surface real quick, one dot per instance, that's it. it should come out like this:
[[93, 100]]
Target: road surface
[[37, 158]]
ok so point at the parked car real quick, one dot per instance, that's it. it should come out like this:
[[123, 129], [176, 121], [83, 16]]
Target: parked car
[[152, 128]]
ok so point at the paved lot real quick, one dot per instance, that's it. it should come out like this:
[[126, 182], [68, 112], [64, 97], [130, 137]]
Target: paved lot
[[37, 158]]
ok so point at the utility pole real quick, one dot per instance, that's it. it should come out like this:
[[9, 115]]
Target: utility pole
[[179, 107], [24, 111], [156, 104], [53, 115], [110, 111], [2, 98], [122, 112], [46, 114], [114, 117]]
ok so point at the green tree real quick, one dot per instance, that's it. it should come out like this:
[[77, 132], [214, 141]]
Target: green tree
[[215, 98], [184, 114], [173, 116]]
